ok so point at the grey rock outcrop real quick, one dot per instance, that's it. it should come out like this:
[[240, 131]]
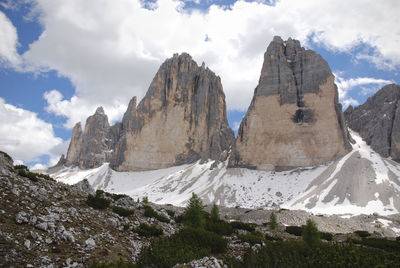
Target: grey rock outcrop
[[181, 119], [6, 163], [378, 121], [95, 146], [294, 118], [75, 146]]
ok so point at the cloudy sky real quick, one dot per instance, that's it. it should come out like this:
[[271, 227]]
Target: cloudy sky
[[59, 60]]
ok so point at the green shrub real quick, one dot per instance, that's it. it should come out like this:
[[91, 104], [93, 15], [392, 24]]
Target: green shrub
[[298, 254], [119, 264], [219, 227], [145, 200], [186, 245], [242, 226], [27, 174], [97, 202], [215, 213], [252, 238], [273, 221], [326, 236], [193, 215], [362, 233], [381, 243], [294, 230], [310, 234], [151, 213], [171, 213], [148, 230], [272, 238], [123, 212], [16, 167]]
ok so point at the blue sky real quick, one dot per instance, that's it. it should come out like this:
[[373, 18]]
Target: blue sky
[[59, 60]]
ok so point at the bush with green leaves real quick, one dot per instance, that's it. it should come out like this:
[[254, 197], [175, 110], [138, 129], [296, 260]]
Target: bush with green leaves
[[361, 233], [380, 243], [97, 202], [294, 230], [242, 226], [298, 254], [252, 238], [219, 227], [148, 230], [186, 245], [310, 234], [123, 212], [193, 215], [326, 236], [118, 264], [151, 213]]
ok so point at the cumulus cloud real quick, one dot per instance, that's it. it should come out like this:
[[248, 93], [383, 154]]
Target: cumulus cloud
[[77, 109], [26, 137], [110, 50], [364, 86], [8, 43]]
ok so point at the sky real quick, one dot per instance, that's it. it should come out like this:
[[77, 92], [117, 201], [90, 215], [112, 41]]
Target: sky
[[60, 60]]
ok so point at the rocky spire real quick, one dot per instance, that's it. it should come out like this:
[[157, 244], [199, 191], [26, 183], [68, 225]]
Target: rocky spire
[[75, 146], [294, 118], [94, 146], [378, 121], [181, 119]]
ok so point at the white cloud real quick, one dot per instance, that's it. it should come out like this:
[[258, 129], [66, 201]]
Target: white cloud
[[111, 50], [8, 42], [24, 136], [364, 86], [77, 109], [236, 125]]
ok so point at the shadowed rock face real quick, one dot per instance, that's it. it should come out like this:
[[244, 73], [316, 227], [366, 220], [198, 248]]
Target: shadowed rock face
[[294, 118], [95, 146], [181, 119], [378, 121]]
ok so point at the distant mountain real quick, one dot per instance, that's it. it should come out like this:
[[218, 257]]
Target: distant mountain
[[294, 119], [181, 119], [378, 121], [361, 182], [292, 149]]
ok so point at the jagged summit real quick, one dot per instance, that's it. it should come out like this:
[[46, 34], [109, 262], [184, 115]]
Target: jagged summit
[[294, 118], [378, 121], [182, 118]]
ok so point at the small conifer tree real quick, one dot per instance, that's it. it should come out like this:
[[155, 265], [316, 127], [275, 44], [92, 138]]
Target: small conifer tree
[[215, 213], [273, 221], [193, 215], [310, 234]]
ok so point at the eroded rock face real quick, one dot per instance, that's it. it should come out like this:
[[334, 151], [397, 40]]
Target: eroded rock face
[[95, 146], [181, 119], [378, 121], [294, 119], [75, 146]]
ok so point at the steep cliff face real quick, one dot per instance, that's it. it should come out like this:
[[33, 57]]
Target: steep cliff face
[[95, 146], [378, 121], [294, 118], [181, 119], [75, 146]]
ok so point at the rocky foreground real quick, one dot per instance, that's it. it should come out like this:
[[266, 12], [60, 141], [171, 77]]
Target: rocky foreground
[[45, 223]]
